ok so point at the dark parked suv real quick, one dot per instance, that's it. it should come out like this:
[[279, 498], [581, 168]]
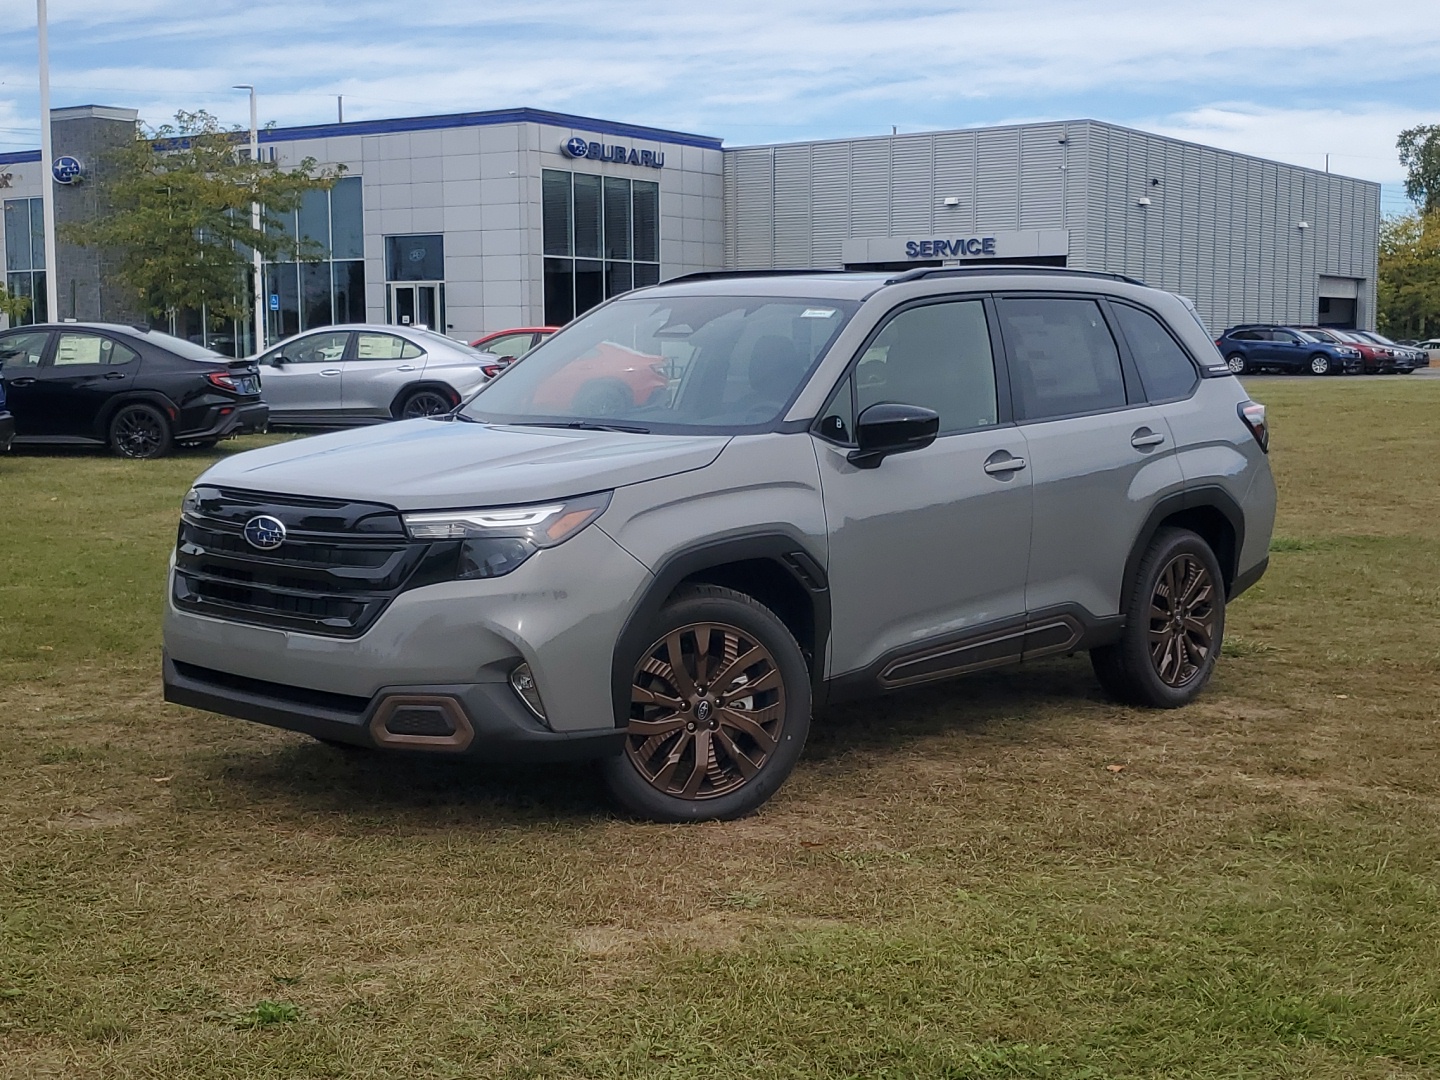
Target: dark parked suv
[[851, 483], [1285, 348], [135, 390]]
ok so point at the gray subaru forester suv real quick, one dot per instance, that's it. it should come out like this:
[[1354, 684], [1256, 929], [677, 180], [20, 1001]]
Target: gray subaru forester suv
[[794, 489]]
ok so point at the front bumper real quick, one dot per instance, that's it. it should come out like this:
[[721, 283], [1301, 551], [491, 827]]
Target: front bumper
[[480, 720]]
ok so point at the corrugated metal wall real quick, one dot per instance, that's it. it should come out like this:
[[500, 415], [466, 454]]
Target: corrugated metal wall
[[1220, 227]]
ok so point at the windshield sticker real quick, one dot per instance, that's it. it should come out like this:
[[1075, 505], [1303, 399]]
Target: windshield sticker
[[817, 313]]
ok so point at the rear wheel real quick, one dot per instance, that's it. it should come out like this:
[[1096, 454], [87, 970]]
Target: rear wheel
[[718, 711], [140, 431], [1319, 364], [426, 402], [1236, 363], [1174, 627]]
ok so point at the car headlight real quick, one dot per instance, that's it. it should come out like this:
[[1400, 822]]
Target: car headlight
[[497, 540]]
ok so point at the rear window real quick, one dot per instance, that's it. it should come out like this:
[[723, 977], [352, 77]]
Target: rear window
[[180, 347]]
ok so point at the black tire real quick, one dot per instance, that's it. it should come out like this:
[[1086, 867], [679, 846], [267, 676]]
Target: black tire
[[1162, 658], [426, 401], [603, 397], [1237, 364], [140, 431], [751, 741], [1319, 364]]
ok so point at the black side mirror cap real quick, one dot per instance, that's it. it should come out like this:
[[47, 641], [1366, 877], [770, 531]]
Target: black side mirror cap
[[887, 428]]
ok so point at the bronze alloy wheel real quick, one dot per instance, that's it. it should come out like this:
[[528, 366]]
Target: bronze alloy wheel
[[707, 706], [1183, 619]]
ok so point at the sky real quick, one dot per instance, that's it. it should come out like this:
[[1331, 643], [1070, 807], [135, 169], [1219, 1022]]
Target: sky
[[1293, 80]]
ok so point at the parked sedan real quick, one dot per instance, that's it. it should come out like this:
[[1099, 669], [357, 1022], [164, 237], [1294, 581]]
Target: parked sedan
[[1416, 357], [342, 375], [135, 390], [1431, 348], [509, 345], [1375, 357]]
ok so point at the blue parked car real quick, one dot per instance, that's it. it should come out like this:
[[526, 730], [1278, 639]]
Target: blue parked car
[[1284, 348], [7, 422]]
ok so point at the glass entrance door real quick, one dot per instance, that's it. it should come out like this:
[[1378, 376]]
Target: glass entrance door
[[416, 303]]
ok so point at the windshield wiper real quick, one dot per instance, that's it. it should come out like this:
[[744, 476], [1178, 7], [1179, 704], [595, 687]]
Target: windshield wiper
[[588, 425]]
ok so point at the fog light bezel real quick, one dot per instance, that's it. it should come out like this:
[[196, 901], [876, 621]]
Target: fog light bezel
[[522, 682]]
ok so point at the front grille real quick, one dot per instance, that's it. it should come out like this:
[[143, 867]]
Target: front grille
[[340, 565]]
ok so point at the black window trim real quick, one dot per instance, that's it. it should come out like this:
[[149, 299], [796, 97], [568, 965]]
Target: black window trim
[[1127, 355], [1004, 416], [1129, 379]]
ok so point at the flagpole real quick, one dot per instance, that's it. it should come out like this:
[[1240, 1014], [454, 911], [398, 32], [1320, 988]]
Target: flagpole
[[47, 163]]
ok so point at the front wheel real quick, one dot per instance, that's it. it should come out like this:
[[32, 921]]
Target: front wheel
[[1174, 625], [1236, 363], [140, 431], [718, 711], [1319, 364]]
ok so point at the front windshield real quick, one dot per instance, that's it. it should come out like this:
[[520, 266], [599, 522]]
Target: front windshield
[[711, 364]]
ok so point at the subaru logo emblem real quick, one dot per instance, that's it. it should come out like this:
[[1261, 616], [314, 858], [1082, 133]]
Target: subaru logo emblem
[[265, 532], [577, 147], [703, 710]]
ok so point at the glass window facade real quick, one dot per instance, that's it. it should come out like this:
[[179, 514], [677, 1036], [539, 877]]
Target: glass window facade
[[25, 257], [303, 295], [601, 238]]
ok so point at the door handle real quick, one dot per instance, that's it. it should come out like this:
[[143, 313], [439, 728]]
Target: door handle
[[407, 367], [1004, 465], [114, 374], [26, 381], [330, 371], [1145, 438]]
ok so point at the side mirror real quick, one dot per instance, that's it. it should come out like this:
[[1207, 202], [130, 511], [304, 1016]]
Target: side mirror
[[279, 360], [890, 428]]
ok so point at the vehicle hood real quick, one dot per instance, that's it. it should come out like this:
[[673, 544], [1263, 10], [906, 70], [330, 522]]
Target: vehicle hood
[[438, 464]]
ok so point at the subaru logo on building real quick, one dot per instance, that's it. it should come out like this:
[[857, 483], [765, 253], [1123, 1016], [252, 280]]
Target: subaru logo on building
[[265, 532], [67, 169], [577, 147]]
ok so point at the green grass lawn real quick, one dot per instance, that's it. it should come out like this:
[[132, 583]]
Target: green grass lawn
[[957, 882]]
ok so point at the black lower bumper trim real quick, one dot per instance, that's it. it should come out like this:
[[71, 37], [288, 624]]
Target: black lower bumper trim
[[504, 730], [7, 430], [243, 419], [1248, 578]]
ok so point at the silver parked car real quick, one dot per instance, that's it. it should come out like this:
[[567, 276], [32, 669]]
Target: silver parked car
[[843, 484], [363, 374]]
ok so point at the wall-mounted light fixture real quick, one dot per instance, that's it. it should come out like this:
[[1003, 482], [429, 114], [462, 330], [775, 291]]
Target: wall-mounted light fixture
[[1302, 225], [1142, 201], [952, 200]]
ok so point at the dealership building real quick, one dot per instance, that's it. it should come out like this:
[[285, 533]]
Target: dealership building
[[481, 221]]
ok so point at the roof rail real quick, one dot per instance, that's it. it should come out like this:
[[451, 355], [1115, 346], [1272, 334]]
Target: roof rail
[[922, 272], [710, 275]]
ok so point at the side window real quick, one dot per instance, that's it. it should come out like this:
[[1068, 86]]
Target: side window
[[19, 352], [509, 345], [92, 350], [1063, 360], [385, 347], [936, 356], [326, 348], [1165, 369]]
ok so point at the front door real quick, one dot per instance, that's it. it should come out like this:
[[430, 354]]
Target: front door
[[928, 551], [21, 353], [303, 375], [417, 303], [85, 372]]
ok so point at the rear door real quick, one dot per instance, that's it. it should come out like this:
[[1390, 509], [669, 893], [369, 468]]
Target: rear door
[[378, 370], [21, 355], [1100, 454], [84, 372], [307, 381], [1287, 350]]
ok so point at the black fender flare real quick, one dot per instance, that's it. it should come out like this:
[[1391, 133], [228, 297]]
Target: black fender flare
[[1205, 496], [134, 397], [775, 543]]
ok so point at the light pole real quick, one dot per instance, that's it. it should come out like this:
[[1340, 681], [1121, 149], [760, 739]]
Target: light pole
[[47, 163], [257, 299]]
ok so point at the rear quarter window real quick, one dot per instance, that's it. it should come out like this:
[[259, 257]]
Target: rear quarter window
[[1165, 368]]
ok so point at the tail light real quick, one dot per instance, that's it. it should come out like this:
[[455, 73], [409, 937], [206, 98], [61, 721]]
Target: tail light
[[491, 370], [1252, 413], [222, 379]]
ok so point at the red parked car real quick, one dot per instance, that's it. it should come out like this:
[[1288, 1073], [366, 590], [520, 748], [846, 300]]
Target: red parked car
[[1374, 357], [510, 345]]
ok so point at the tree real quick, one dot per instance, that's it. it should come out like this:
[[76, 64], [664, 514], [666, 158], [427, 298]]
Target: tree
[[1420, 154], [1409, 282], [14, 308], [177, 213]]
